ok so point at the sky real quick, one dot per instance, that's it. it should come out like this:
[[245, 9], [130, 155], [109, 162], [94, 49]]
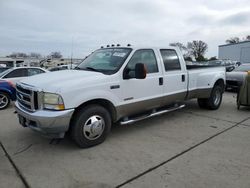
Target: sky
[[81, 26]]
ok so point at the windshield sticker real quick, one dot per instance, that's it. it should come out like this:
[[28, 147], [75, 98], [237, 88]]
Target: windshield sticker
[[119, 54]]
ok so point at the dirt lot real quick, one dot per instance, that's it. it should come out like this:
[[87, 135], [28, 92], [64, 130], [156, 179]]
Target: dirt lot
[[186, 148]]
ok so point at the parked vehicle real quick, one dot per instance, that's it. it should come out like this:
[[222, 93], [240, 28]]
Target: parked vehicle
[[228, 64], [63, 67], [236, 77], [57, 69], [18, 73], [117, 84], [2, 69], [7, 93]]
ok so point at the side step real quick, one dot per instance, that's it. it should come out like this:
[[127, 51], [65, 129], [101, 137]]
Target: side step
[[156, 113]]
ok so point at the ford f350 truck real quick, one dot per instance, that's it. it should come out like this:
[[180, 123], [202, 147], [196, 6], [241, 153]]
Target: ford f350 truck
[[114, 84]]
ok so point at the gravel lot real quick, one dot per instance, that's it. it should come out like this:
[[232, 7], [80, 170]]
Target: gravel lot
[[186, 148]]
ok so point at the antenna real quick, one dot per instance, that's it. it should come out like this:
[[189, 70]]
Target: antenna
[[72, 42]]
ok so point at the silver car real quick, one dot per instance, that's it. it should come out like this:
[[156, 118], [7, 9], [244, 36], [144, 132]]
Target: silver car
[[235, 78]]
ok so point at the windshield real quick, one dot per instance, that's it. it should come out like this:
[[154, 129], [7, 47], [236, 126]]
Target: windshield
[[106, 61], [242, 68], [5, 72]]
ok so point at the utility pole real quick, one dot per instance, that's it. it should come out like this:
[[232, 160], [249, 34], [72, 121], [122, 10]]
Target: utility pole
[[71, 53]]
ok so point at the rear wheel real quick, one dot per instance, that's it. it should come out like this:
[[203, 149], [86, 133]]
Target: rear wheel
[[214, 101], [90, 126], [4, 100]]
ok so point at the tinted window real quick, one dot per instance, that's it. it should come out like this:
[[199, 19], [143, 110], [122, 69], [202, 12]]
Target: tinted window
[[170, 60], [16, 73], [32, 72], [147, 57]]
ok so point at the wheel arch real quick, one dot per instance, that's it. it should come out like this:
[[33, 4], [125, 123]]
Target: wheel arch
[[7, 92], [102, 102], [220, 82]]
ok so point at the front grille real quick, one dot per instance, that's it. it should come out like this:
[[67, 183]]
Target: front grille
[[27, 98]]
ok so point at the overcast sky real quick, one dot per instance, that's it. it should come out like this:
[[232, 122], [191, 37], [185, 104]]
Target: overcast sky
[[51, 25]]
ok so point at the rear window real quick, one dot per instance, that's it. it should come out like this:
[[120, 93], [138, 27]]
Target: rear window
[[170, 60]]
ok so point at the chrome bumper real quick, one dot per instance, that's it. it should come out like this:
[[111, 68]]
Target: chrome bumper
[[49, 123]]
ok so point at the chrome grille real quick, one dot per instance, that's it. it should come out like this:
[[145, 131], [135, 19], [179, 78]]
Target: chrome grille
[[27, 98]]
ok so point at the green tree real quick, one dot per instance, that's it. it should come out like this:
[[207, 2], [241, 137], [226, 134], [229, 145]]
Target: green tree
[[197, 49], [233, 40]]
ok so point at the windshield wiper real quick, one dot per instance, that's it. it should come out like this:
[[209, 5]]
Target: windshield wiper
[[92, 69], [77, 68]]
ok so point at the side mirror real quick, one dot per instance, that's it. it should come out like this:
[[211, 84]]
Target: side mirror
[[140, 71]]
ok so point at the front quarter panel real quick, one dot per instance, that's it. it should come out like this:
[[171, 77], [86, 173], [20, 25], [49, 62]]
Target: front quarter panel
[[79, 95]]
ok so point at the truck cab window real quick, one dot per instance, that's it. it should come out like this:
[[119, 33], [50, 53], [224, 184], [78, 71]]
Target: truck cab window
[[170, 60], [145, 56]]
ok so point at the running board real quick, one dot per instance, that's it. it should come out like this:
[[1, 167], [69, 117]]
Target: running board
[[129, 121]]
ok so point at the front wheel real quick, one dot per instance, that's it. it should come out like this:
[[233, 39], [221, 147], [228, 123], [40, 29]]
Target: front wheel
[[4, 100], [90, 126]]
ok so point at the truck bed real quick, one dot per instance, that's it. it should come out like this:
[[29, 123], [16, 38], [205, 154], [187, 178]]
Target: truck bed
[[189, 67]]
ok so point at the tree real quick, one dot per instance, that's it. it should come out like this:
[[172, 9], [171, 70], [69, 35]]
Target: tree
[[197, 48], [18, 55], [56, 55], [182, 47], [233, 40], [35, 55], [248, 37], [212, 58]]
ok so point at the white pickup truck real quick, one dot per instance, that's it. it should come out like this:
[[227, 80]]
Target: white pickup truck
[[114, 84]]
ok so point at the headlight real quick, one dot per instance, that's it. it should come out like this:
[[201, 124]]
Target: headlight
[[53, 101]]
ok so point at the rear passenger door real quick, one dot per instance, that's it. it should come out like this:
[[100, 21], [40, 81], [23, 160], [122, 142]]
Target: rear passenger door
[[174, 77], [142, 94]]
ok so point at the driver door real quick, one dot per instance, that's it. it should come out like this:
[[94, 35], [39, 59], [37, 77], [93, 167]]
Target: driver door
[[141, 94]]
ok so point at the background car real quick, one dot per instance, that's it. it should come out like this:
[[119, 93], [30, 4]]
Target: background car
[[235, 78], [2, 69], [57, 69], [63, 67], [7, 93], [18, 73]]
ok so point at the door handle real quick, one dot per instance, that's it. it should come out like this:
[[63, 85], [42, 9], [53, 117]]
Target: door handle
[[183, 78], [160, 81]]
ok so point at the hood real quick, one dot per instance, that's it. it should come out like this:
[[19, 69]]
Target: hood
[[236, 76], [55, 81]]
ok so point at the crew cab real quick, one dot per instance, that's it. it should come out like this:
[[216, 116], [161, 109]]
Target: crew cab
[[114, 84]]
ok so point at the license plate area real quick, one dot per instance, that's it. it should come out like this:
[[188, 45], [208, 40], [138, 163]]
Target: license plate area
[[22, 120]]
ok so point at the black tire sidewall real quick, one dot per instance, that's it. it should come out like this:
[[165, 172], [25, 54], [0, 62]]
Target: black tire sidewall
[[8, 97], [79, 120], [211, 104]]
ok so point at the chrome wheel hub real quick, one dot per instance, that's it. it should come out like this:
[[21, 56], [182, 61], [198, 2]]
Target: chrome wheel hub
[[3, 101], [93, 127], [217, 97]]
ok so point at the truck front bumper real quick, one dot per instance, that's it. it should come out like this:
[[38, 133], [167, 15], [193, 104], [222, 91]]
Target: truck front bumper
[[52, 124]]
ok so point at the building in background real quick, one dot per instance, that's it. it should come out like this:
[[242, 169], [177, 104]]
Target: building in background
[[235, 52], [37, 62]]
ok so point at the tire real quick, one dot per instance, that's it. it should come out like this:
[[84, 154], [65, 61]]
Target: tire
[[4, 100], [90, 126], [214, 101]]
